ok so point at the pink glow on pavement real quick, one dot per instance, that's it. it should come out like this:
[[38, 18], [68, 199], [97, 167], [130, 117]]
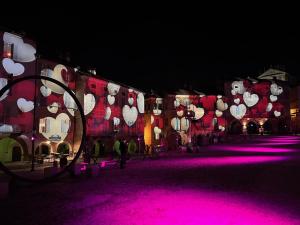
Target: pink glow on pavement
[[256, 149], [186, 207]]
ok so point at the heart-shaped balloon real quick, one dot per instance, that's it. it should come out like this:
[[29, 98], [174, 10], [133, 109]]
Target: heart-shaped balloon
[[180, 113], [55, 74], [24, 105], [238, 111], [113, 89], [13, 68], [277, 114], [221, 105], [53, 108], [129, 114], [185, 124], [273, 98], [218, 113], [45, 91], [176, 103], [269, 107], [23, 52], [56, 129], [130, 101], [141, 102], [116, 121], [111, 99], [250, 99], [175, 123], [237, 101], [89, 103], [6, 128]]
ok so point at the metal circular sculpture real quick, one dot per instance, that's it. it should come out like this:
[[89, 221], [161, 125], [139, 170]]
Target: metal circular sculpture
[[69, 166]]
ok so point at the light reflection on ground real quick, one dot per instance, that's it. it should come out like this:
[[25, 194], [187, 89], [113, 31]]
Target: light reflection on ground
[[186, 207]]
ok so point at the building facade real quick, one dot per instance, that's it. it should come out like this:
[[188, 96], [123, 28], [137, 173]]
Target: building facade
[[46, 112]]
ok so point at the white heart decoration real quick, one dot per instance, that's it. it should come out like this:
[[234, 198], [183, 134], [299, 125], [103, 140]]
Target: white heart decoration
[[175, 123], [199, 112], [222, 106], [113, 89], [157, 132], [276, 89], [13, 68], [273, 98], [221, 128], [111, 99], [269, 107], [3, 83], [6, 128], [55, 74], [57, 127], [238, 87], [156, 112], [53, 108], [141, 102], [185, 124], [69, 103], [237, 101], [239, 111], [46, 91], [152, 119], [277, 114], [180, 113], [130, 101], [129, 114], [23, 52], [176, 103], [250, 99], [116, 121], [219, 113], [24, 105], [89, 103], [107, 113]]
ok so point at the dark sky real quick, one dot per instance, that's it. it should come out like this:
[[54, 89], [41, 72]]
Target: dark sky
[[166, 52]]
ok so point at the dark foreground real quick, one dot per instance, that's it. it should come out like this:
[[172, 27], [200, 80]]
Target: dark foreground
[[257, 182]]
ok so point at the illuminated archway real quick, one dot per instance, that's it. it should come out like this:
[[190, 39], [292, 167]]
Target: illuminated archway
[[64, 148], [10, 150]]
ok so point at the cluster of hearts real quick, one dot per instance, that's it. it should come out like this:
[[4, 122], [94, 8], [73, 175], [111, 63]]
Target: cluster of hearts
[[99, 96], [206, 110], [259, 99]]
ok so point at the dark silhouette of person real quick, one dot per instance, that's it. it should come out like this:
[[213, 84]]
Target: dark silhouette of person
[[63, 162], [123, 154]]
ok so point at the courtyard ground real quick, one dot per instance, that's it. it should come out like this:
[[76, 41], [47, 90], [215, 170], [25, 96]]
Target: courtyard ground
[[254, 181]]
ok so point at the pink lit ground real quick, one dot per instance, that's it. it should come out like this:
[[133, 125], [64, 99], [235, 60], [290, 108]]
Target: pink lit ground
[[253, 182]]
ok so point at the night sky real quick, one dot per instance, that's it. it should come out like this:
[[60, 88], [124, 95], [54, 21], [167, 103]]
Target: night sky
[[165, 52]]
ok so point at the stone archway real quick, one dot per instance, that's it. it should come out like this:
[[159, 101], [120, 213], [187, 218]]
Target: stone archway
[[236, 127], [64, 148], [252, 127], [11, 150], [43, 149]]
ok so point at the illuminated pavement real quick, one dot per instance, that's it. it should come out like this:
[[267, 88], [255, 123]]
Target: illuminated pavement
[[257, 182]]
